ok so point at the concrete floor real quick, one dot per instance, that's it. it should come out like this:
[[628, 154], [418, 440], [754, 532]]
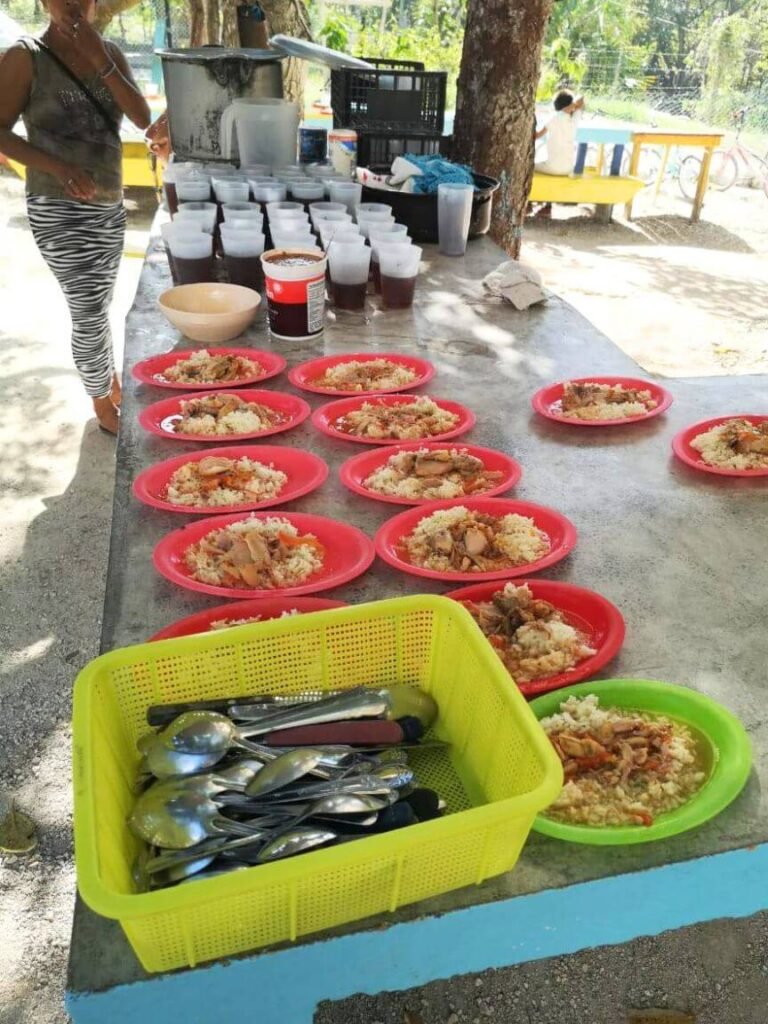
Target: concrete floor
[[718, 970]]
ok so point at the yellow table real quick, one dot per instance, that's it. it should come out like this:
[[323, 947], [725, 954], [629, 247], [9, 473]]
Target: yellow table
[[708, 141]]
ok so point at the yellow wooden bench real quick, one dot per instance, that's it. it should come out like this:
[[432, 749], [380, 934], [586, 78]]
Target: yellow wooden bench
[[589, 187]]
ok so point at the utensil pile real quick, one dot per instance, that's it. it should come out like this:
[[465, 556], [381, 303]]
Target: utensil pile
[[232, 783]]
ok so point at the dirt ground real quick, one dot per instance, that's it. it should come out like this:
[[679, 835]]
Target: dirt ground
[[683, 300], [660, 288]]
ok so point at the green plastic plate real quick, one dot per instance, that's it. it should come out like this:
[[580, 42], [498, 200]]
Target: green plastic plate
[[730, 751]]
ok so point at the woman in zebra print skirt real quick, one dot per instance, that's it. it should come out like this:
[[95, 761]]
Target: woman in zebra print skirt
[[72, 88]]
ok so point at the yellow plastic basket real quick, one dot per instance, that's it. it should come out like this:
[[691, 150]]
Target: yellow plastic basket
[[499, 772]]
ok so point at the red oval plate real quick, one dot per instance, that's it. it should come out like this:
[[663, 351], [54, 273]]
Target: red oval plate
[[305, 473], [561, 532], [356, 470], [157, 418], [348, 553], [546, 401], [265, 607], [150, 371], [681, 446], [303, 375], [591, 614], [327, 415]]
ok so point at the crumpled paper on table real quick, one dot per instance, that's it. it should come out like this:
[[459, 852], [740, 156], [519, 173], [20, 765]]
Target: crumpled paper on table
[[517, 283]]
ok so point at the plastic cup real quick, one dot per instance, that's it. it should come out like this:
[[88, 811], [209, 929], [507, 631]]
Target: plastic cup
[[307, 191], [272, 192], [349, 264], [454, 212], [204, 213], [348, 192], [231, 191], [250, 212], [376, 246], [292, 239], [256, 171], [193, 189], [374, 208], [370, 220], [295, 286], [242, 257], [179, 228], [319, 171], [331, 179], [281, 169], [330, 229], [399, 266], [192, 256], [328, 211], [294, 209], [386, 230]]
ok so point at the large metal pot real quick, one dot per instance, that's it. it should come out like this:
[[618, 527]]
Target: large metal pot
[[200, 84]]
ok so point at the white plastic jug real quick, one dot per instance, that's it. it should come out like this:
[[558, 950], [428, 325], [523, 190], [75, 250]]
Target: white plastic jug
[[266, 131]]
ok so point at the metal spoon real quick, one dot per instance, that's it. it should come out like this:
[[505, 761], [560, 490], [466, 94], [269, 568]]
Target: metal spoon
[[182, 821], [284, 770], [295, 841]]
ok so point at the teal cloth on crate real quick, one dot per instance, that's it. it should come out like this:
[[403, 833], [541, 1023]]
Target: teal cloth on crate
[[435, 170]]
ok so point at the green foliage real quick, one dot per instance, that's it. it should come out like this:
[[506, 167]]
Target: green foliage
[[336, 31]]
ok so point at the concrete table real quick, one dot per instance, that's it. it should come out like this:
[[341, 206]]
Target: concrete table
[[676, 550]]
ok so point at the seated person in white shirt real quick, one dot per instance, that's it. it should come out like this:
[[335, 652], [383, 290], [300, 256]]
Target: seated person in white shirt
[[560, 133]]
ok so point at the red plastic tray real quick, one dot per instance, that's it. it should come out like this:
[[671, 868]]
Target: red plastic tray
[[327, 415], [302, 376], [593, 615], [348, 553], [150, 371], [357, 469], [546, 401], [561, 531], [681, 446], [305, 473], [265, 607], [157, 418]]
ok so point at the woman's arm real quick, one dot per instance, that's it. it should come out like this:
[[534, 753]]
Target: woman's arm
[[540, 133], [15, 84]]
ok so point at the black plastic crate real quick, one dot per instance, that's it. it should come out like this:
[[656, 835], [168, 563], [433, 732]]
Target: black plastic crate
[[390, 62], [383, 147], [405, 101]]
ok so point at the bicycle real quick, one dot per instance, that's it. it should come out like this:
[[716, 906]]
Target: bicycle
[[724, 169]]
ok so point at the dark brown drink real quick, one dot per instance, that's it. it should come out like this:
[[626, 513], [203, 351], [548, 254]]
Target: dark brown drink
[[376, 276], [171, 197], [245, 270], [397, 292], [348, 296], [194, 271]]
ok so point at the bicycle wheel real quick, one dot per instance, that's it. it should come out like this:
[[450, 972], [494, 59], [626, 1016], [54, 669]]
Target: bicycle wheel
[[688, 176], [723, 170]]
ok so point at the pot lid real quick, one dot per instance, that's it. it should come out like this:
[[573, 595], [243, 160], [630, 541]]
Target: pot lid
[[208, 54], [289, 46]]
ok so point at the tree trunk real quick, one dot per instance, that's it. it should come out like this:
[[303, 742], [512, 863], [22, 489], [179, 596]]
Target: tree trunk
[[212, 32], [196, 23], [496, 104], [289, 17], [230, 35]]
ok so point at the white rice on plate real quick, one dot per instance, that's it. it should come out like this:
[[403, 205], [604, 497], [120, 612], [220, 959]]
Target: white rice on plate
[[365, 375], [243, 481], [718, 446]]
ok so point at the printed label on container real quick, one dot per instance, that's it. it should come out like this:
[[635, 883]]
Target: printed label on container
[[315, 306], [292, 292]]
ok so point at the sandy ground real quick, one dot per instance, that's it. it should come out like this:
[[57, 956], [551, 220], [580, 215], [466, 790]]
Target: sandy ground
[[683, 300], [660, 288]]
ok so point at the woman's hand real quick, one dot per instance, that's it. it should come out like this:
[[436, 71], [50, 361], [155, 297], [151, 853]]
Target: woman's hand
[[77, 183], [87, 40]]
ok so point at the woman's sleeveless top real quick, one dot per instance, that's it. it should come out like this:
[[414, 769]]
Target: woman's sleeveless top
[[61, 120]]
